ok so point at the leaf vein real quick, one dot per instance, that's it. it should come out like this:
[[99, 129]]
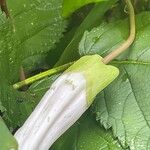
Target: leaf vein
[[136, 98]]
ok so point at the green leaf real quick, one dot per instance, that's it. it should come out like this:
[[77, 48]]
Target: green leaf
[[86, 135], [7, 141], [63, 43], [16, 106], [125, 104], [38, 24], [142, 5], [70, 6], [34, 28], [94, 18]]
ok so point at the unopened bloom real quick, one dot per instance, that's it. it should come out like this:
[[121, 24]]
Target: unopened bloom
[[67, 99]]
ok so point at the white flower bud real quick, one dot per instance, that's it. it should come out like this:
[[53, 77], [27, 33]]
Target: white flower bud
[[62, 105]]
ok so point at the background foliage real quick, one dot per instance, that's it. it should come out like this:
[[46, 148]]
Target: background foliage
[[37, 37]]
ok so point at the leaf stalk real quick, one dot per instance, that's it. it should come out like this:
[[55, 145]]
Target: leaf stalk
[[41, 75], [130, 39]]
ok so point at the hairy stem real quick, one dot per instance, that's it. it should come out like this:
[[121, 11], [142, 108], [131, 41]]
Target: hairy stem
[[130, 39], [41, 75]]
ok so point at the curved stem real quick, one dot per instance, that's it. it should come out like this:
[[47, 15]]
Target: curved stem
[[41, 75], [130, 39]]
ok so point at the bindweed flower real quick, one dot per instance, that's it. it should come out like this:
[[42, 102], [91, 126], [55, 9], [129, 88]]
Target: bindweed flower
[[67, 99]]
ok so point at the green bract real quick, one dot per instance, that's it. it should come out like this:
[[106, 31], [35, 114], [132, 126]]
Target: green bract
[[97, 74]]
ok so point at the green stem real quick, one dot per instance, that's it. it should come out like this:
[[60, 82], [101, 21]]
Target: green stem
[[41, 75], [130, 39]]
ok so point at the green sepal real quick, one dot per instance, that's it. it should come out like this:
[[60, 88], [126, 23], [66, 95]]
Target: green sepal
[[97, 74], [7, 141]]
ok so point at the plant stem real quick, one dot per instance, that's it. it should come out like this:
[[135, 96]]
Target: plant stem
[[41, 75], [22, 74], [4, 8], [130, 39]]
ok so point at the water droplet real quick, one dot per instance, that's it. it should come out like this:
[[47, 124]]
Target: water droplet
[[95, 39], [45, 44], [24, 5]]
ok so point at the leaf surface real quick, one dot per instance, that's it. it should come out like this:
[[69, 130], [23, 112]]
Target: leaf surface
[[86, 135], [38, 24], [70, 6], [33, 29], [93, 19], [125, 104]]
